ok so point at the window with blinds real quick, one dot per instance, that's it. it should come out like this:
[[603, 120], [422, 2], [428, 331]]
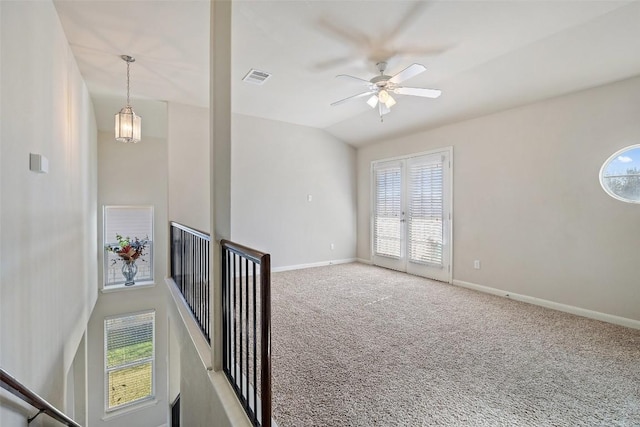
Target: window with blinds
[[129, 359], [425, 212], [387, 227], [127, 221]]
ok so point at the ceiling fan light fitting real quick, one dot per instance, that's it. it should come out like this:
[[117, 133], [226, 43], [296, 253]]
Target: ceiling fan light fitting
[[383, 96], [390, 102], [373, 101]]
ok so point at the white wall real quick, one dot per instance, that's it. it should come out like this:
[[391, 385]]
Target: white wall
[[122, 302], [527, 201], [132, 174], [206, 397], [189, 183], [275, 166], [48, 247]]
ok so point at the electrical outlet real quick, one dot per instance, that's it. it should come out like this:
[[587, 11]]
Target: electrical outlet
[[332, 246], [476, 264]]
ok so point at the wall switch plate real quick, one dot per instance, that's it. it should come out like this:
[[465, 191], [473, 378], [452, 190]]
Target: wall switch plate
[[332, 246], [476, 264], [309, 197], [38, 163]]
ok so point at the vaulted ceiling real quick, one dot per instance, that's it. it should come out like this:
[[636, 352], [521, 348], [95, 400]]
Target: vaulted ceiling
[[485, 55]]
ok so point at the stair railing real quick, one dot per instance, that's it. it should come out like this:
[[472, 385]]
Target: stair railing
[[190, 271], [15, 387], [246, 328]]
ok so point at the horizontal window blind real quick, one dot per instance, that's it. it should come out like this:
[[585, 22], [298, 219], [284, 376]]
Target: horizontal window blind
[[129, 358], [425, 212], [128, 221], [388, 212]]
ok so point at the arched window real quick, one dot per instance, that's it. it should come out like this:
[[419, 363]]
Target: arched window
[[620, 175]]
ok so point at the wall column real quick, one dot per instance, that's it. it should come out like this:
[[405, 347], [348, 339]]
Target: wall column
[[220, 102]]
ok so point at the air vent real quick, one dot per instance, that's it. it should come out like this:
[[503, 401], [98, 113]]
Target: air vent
[[256, 77]]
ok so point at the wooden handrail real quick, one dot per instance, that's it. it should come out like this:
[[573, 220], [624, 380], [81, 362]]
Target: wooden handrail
[[12, 385], [244, 251]]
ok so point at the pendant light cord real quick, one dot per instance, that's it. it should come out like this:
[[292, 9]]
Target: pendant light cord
[[128, 64]]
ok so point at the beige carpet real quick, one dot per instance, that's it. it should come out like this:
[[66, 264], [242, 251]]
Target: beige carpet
[[355, 345]]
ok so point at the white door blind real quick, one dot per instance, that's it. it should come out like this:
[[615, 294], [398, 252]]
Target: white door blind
[[388, 212], [426, 213]]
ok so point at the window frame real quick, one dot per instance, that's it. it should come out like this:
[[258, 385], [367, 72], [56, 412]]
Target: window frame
[[605, 165], [110, 286], [141, 401]]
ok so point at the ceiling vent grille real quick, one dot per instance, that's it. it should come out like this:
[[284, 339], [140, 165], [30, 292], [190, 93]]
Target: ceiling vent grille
[[256, 77]]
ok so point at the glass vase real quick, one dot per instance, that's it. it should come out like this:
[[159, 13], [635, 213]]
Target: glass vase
[[129, 270]]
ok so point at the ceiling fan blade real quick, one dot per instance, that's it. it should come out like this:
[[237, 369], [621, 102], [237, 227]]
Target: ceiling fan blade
[[358, 79], [360, 95], [333, 63], [412, 14], [418, 91], [411, 71]]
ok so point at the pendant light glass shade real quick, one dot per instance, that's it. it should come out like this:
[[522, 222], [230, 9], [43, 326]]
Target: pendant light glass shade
[[128, 123]]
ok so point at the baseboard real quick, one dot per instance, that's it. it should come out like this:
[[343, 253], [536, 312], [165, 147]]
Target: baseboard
[[363, 261], [617, 320], [315, 264]]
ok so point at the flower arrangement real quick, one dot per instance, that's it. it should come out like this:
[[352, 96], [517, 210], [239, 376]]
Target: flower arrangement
[[128, 249]]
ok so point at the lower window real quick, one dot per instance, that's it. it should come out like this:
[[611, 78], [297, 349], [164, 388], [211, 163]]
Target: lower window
[[129, 359]]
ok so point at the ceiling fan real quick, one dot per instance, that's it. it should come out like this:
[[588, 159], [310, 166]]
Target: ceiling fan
[[381, 87]]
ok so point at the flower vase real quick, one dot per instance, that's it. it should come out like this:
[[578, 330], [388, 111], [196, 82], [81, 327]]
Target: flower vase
[[129, 270]]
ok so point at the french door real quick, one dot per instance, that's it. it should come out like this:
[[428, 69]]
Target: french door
[[411, 214]]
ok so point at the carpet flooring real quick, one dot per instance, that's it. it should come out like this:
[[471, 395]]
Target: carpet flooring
[[356, 345]]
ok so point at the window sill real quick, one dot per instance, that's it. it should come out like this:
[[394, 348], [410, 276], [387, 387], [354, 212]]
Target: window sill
[[129, 409], [119, 288]]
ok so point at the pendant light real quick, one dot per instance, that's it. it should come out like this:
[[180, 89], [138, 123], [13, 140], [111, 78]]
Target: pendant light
[[128, 123]]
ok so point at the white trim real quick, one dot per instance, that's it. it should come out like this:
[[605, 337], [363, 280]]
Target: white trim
[[609, 318], [364, 261], [315, 264], [119, 288], [421, 153]]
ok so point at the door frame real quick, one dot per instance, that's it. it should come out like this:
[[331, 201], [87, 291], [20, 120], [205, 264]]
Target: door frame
[[448, 191]]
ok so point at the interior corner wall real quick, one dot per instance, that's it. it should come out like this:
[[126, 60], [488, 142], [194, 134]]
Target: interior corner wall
[[293, 192], [527, 200], [132, 174], [48, 249], [201, 401], [189, 182]]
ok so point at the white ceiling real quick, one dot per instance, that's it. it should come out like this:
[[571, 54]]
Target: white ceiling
[[484, 55]]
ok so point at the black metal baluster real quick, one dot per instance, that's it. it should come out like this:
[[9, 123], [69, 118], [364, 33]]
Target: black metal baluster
[[265, 332], [235, 336], [230, 261], [239, 320], [223, 266], [255, 340], [246, 324]]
